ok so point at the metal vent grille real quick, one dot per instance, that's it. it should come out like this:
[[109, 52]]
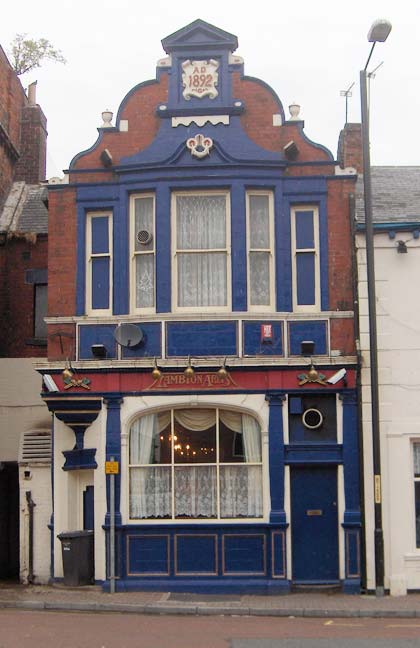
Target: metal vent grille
[[144, 237], [36, 447]]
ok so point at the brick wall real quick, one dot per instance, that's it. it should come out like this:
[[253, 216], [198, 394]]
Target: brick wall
[[12, 100], [62, 252], [31, 166], [17, 297], [350, 151]]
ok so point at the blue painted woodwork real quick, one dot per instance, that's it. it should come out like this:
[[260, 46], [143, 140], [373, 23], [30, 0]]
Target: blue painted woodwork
[[78, 414], [305, 278], [276, 457], [113, 448], [208, 557], [148, 555], [121, 260], [278, 557], [252, 344], [100, 235], [352, 514], [313, 453], [309, 330], [151, 344], [96, 334], [351, 457], [326, 433], [89, 509], [244, 554], [314, 517], [163, 250], [80, 459], [100, 283], [201, 338], [238, 248], [196, 554]]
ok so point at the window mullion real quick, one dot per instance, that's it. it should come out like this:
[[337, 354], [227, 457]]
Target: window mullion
[[172, 466]]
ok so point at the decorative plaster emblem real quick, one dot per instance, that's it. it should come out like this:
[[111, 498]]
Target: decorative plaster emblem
[[200, 145], [313, 376], [200, 120], [73, 382], [200, 79]]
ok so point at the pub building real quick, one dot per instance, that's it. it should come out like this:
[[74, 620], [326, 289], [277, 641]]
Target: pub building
[[201, 340]]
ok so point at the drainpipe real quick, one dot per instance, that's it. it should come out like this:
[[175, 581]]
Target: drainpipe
[[31, 506]]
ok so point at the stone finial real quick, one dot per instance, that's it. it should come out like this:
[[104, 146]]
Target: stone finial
[[107, 116], [294, 110]]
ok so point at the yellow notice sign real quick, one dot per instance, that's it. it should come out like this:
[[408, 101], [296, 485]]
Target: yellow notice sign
[[112, 467]]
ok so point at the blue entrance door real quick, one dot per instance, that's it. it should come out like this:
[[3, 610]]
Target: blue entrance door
[[314, 524]]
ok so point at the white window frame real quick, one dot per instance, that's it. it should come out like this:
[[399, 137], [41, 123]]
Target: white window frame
[[134, 253], [305, 308], [175, 251], [98, 312], [249, 249], [172, 466]]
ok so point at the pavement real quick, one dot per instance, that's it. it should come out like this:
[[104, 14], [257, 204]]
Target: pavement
[[329, 604]]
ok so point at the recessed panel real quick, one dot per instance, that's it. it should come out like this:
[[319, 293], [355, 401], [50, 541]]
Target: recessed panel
[[244, 554], [148, 555], [196, 554]]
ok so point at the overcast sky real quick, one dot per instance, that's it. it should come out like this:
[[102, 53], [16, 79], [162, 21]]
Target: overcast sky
[[306, 50]]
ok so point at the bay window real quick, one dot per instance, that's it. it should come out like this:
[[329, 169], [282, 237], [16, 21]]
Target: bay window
[[143, 252], [260, 235], [305, 258], [195, 464], [201, 250]]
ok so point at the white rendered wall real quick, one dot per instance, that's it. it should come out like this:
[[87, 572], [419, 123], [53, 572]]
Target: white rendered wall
[[38, 481], [21, 406], [69, 487], [398, 324]]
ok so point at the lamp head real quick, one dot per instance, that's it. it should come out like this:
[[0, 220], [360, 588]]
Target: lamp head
[[156, 372], [189, 371], [379, 31]]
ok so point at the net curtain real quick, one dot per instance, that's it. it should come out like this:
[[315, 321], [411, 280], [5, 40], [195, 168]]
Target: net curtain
[[195, 486]]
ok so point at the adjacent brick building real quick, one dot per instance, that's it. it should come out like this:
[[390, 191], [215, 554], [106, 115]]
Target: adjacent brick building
[[23, 336]]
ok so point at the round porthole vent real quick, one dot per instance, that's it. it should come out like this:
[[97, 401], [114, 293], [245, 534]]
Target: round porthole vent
[[312, 418], [144, 237]]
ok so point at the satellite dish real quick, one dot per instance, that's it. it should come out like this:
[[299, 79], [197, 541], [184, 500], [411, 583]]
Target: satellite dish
[[128, 335]]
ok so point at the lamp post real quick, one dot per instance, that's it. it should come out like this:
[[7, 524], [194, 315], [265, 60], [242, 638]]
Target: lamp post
[[378, 33]]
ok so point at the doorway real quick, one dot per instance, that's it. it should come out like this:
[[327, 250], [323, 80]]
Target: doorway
[[9, 520], [314, 524]]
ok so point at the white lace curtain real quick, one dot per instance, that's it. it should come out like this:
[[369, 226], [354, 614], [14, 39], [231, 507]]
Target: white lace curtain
[[195, 487], [202, 275]]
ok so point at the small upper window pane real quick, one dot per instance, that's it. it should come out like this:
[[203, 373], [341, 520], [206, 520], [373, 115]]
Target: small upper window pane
[[143, 223], [305, 230], [259, 223], [100, 235]]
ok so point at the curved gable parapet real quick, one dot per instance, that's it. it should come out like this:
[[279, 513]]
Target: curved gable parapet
[[266, 86], [170, 148], [299, 125], [138, 109]]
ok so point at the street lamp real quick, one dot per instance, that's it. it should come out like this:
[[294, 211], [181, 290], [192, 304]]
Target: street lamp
[[378, 33]]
